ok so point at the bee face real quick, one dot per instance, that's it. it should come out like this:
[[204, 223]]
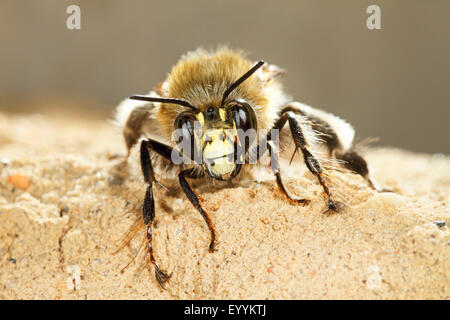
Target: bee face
[[218, 137]]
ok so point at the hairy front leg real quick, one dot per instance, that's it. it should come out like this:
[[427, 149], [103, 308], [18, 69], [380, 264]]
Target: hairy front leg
[[196, 203], [148, 207]]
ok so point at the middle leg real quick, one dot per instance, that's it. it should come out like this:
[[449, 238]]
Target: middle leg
[[311, 161]]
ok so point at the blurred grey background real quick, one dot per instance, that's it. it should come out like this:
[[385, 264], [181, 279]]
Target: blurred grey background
[[391, 83]]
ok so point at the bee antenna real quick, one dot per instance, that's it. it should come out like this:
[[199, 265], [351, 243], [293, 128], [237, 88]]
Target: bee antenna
[[164, 100], [235, 84]]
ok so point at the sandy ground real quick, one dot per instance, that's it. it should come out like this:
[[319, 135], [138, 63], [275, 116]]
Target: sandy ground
[[63, 213]]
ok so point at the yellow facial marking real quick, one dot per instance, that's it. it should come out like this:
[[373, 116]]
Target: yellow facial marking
[[200, 118], [216, 150], [222, 114]]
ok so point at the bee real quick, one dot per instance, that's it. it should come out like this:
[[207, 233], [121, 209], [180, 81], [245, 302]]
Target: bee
[[212, 99]]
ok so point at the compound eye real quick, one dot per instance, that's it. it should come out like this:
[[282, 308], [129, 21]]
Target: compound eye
[[185, 123], [243, 116]]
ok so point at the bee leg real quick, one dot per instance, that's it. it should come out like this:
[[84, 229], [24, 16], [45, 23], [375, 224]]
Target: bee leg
[[337, 136], [276, 170], [356, 163], [148, 208], [311, 162], [196, 203]]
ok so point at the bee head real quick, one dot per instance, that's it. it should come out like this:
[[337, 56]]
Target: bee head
[[218, 138], [215, 136]]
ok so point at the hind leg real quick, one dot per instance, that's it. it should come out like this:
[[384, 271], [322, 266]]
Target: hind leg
[[356, 163]]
